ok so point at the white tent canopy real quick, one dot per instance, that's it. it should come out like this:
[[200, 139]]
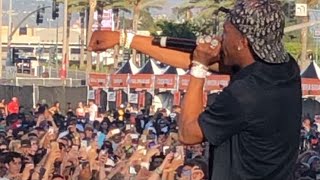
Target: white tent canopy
[[312, 71], [151, 68], [128, 68]]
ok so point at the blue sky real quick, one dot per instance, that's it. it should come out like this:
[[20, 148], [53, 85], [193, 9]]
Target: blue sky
[[27, 5]]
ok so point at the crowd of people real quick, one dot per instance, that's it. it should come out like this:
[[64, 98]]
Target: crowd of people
[[308, 163], [84, 144]]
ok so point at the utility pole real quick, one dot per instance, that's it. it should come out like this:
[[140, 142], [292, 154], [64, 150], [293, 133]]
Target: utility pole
[[56, 46], [65, 54], [8, 62], [99, 19], [10, 16], [1, 39], [92, 4]]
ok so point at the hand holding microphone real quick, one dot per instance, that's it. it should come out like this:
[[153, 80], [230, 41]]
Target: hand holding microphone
[[208, 50], [205, 49], [206, 53]]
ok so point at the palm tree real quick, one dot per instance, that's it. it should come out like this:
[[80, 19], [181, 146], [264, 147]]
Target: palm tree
[[116, 48], [82, 36], [100, 6], [92, 8], [137, 6], [75, 6], [206, 18], [183, 13], [207, 7], [304, 33], [304, 36], [117, 7]]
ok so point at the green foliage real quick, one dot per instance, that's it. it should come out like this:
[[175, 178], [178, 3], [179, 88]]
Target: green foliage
[[206, 20], [294, 48], [206, 7], [147, 22], [183, 30]]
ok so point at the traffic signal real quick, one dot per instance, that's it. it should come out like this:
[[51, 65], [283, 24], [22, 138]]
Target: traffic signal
[[292, 10], [14, 56], [39, 16], [55, 9]]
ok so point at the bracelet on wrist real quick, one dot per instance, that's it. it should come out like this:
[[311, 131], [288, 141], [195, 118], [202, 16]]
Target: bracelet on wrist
[[199, 71], [194, 62]]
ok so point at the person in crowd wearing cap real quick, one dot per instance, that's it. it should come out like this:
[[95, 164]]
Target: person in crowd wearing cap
[[254, 123], [88, 130], [25, 147]]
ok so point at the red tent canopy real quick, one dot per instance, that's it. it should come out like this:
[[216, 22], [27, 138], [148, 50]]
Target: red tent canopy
[[310, 86], [118, 80], [165, 81], [97, 80], [141, 81]]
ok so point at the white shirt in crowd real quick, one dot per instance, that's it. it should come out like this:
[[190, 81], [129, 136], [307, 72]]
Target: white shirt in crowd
[[93, 110]]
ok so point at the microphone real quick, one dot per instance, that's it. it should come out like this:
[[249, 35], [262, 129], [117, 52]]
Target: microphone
[[180, 44]]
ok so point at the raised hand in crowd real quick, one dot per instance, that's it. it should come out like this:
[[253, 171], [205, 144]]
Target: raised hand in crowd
[[156, 175]]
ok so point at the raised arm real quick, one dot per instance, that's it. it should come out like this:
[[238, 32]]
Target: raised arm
[[190, 131], [102, 40]]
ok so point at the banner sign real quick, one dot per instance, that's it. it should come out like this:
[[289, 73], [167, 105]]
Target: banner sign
[[119, 80], [184, 82], [133, 98], [167, 81], [111, 96], [216, 82], [96, 79], [91, 94], [143, 81], [310, 86]]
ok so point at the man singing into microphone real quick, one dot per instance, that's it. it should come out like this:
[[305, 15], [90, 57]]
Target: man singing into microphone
[[254, 123]]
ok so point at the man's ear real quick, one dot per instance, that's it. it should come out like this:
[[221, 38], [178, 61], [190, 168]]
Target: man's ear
[[197, 174], [7, 166], [244, 43]]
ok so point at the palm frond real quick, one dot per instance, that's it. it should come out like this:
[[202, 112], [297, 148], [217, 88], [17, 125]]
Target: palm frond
[[152, 3]]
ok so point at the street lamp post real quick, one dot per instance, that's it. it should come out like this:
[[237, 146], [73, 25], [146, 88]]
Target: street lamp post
[[8, 62], [0, 39], [65, 54]]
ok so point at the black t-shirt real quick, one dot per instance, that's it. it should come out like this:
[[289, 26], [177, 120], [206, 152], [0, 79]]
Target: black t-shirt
[[254, 124]]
